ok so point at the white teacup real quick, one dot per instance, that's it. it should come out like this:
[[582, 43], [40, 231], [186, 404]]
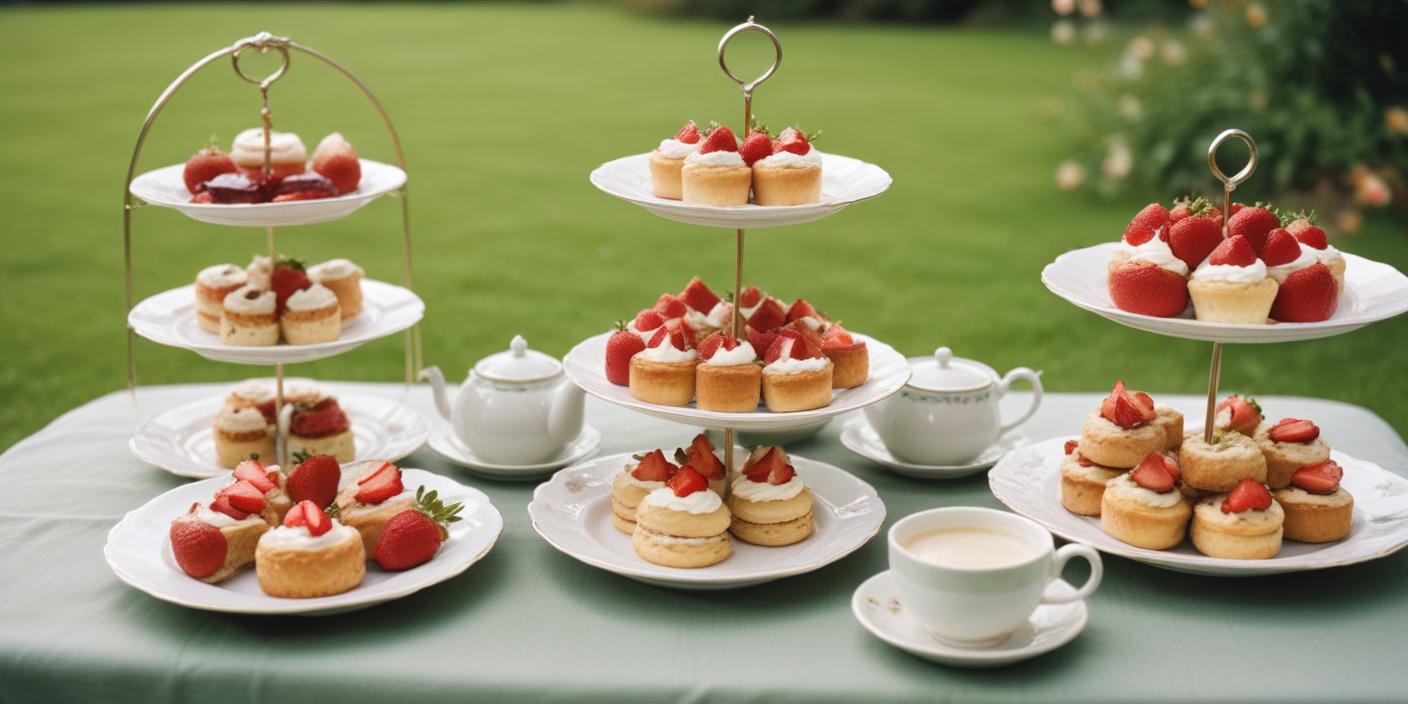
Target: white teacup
[[973, 575]]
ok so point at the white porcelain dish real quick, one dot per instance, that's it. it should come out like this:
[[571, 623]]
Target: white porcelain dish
[[443, 441], [859, 437]]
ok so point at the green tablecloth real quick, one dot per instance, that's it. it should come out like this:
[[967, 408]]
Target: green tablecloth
[[528, 623]]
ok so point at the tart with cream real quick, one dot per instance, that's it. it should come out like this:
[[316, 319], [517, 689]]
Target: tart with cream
[[728, 378], [770, 504], [1289, 445], [311, 315], [372, 500], [1123, 431], [797, 374], [321, 428], [849, 357], [1245, 524], [1308, 290], [790, 174], [249, 317], [213, 545], [1083, 482], [663, 372], [1145, 507], [1232, 285], [716, 174], [242, 433], [683, 524], [667, 161], [213, 283], [344, 279], [1220, 465], [633, 483], [1317, 508], [310, 555]]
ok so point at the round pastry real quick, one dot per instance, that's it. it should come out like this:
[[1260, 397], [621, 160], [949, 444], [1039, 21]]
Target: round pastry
[[212, 546], [791, 175], [1105, 443], [850, 358], [683, 524], [1289, 445], [1240, 414], [1308, 290], [310, 555], [770, 504], [1171, 420], [663, 372], [1083, 482], [797, 376], [344, 279], [242, 433], [249, 318], [728, 379], [1232, 285], [1243, 525], [667, 160], [321, 429], [1221, 465], [716, 174], [633, 483], [287, 155], [1317, 508], [311, 315], [1144, 507], [213, 283], [369, 502]]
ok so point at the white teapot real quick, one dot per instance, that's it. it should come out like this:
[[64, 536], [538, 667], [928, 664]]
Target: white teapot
[[948, 412], [515, 408]]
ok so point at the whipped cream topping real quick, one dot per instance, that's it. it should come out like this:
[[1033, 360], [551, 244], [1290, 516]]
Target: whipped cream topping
[[742, 354], [1281, 271], [674, 149], [641, 483], [315, 297], [222, 276], [797, 366], [720, 315], [666, 352], [251, 301], [812, 323], [702, 501], [204, 514], [258, 271], [298, 537], [749, 490], [284, 148], [301, 393], [749, 311], [1156, 252], [1231, 273], [715, 159], [1210, 511], [1324, 256], [1124, 486], [645, 335], [333, 269], [241, 420], [1297, 495], [788, 160], [254, 392], [696, 320], [1097, 472]]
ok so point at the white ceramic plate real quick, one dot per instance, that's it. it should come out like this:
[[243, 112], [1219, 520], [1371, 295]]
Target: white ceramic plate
[[1051, 626], [443, 441], [859, 436], [843, 181], [180, 440], [572, 511], [169, 318], [140, 554], [585, 366], [1372, 292], [1028, 480], [166, 188]]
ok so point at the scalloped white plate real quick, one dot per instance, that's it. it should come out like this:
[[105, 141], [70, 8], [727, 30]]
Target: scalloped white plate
[[139, 554], [861, 438], [843, 181], [169, 318], [166, 188], [585, 366], [444, 442], [572, 511], [1028, 480], [1372, 292]]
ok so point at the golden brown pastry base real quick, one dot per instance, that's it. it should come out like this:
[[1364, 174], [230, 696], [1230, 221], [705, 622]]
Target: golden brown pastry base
[[665, 383], [1149, 527], [234, 448], [1228, 302], [715, 185], [1080, 493], [304, 574], [1105, 443], [348, 290], [369, 519], [342, 446], [1284, 458], [1220, 466], [1316, 523], [665, 176], [850, 366], [671, 551], [307, 327], [1215, 541], [249, 330], [775, 186], [1171, 420], [732, 389], [802, 391]]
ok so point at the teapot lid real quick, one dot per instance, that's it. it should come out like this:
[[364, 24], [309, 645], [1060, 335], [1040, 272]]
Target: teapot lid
[[518, 365], [946, 373]]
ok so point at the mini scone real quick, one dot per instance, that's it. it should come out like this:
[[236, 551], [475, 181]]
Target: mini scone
[[663, 372], [240, 434], [368, 503], [770, 504], [1144, 507], [797, 375], [728, 378], [1143, 274], [270, 482], [631, 485], [321, 429], [701, 456], [212, 546], [1312, 237], [310, 555], [1243, 525], [791, 175], [1289, 445], [311, 315], [1123, 432], [850, 358], [1308, 291], [287, 155], [1222, 464], [1083, 482], [1317, 508], [1232, 285], [716, 174], [213, 283], [249, 317], [683, 524], [344, 279], [1171, 420], [667, 160]]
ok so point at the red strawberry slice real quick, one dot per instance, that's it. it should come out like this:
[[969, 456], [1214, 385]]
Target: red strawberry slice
[[812, 337], [781, 349], [769, 316], [1123, 410], [253, 472], [315, 519], [295, 516], [781, 475], [1307, 296], [761, 341], [799, 309], [1148, 289], [670, 306], [792, 140], [1322, 478], [750, 297], [1071, 446], [315, 479], [1281, 248], [648, 320], [1192, 239], [675, 338], [221, 504], [336, 161], [1145, 403], [382, 484], [1243, 414], [1254, 223], [1235, 250], [1293, 430], [720, 140], [837, 338], [199, 547], [620, 348], [1152, 219], [1153, 474], [1249, 495], [697, 295], [204, 165], [701, 456], [654, 467], [689, 134], [244, 496], [756, 146], [323, 419], [716, 341], [764, 462], [687, 481]]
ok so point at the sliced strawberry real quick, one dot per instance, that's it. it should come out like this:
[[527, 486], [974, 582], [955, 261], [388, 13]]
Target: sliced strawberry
[[1244, 415], [1249, 495], [689, 134], [781, 475], [1145, 403], [1322, 478], [1152, 474], [1071, 446], [1152, 219], [687, 481], [295, 517], [244, 496], [315, 519], [763, 462], [381, 484], [799, 309], [670, 306], [648, 320], [697, 295], [221, 504], [654, 467], [769, 316], [1235, 250], [665, 336], [750, 297], [199, 548], [1122, 409], [781, 349], [1148, 289], [1193, 238], [315, 479], [716, 341], [1294, 430], [253, 472], [1254, 223], [1281, 248], [761, 341], [620, 348], [792, 140], [720, 140], [837, 338], [701, 456], [756, 146], [1308, 295]]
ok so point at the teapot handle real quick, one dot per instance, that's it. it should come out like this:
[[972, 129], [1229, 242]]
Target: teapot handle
[[1018, 374]]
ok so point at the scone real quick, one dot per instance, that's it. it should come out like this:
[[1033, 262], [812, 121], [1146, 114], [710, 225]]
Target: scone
[[1317, 508], [1144, 507], [850, 358], [770, 504], [791, 175], [212, 546], [797, 375], [631, 485], [716, 174], [1232, 285], [728, 378], [1289, 445], [663, 372], [213, 283], [1123, 432], [311, 315], [1083, 482], [310, 555], [321, 429], [249, 318], [667, 160], [683, 524], [1243, 525], [1223, 464], [369, 502], [344, 279], [240, 434], [287, 155]]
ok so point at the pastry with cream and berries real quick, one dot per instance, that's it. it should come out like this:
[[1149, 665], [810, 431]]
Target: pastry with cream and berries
[[255, 393], [663, 372], [771, 506], [344, 279], [287, 155], [1144, 506], [667, 160], [1245, 524], [335, 160], [249, 318], [321, 428], [1308, 291], [1222, 464], [1311, 236], [1123, 430], [728, 377], [311, 315], [242, 433], [703, 458], [705, 312], [414, 535], [1317, 508], [644, 325], [213, 284], [1083, 482], [372, 499], [716, 174], [309, 555], [683, 524], [269, 481], [797, 375], [633, 483], [1143, 275], [850, 358], [1289, 445], [213, 544], [1232, 285], [791, 174]]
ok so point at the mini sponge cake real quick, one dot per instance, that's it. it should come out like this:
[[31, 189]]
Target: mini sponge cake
[[1220, 465], [1243, 525], [1288, 446], [683, 524], [770, 504], [1318, 509], [1083, 482], [1124, 430]]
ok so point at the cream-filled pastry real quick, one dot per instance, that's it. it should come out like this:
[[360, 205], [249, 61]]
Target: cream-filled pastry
[[1317, 508], [367, 503], [1245, 524], [242, 433], [310, 555], [1083, 482], [770, 504], [269, 480], [1123, 431], [249, 317], [321, 428], [703, 458], [791, 175], [716, 174], [850, 358], [663, 372], [797, 375], [1289, 445], [683, 524], [631, 485], [212, 546], [311, 315], [287, 155], [1232, 285], [1222, 464], [1144, 507], [667, 161], [728, 378]]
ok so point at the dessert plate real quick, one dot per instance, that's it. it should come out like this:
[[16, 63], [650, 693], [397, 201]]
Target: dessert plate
[[169, 318], [1372, 292], [165, 187], [140, 554], [843, 181], [1051, 626], [443, 441], [888, 373], [1028, 480], [859, 437], [181, 440], [572, 511]]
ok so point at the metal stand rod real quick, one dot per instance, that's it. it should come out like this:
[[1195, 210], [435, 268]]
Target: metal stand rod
[[1214, 373], [280, 442]]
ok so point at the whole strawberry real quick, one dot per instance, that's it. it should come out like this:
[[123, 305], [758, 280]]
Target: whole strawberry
[[314, 479], [336, 160], [758, 145], [199, 547], [288, 278], [413, 536], [1254, 223], [620, 348], [205, 165]]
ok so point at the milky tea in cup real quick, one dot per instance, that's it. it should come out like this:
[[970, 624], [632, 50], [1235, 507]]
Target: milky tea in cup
[[969, 547]]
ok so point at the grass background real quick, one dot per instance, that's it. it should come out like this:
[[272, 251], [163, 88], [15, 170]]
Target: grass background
[[504, 110]]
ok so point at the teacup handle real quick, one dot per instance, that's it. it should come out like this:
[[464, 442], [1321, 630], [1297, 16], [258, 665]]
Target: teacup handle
[[1058, 565], [1018, 374]]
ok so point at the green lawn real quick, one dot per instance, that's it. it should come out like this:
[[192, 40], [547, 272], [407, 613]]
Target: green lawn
[[504, 111]]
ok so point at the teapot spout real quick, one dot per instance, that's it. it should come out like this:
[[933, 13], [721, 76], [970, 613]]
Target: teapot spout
[[437, 385], [565, 416]]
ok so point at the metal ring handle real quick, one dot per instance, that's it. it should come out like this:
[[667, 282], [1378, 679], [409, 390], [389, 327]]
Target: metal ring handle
[[261, 42], [1231, 183], [750, 26]]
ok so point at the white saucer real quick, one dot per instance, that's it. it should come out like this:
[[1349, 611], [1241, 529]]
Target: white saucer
[[443, 441], [1050, 627], [859, 436]]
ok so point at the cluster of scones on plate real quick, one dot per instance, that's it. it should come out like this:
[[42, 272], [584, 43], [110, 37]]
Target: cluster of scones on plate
[[214, 177], [259, 304], [681, 350], [1270, 266], [713, 167], [1238, 496], [677, 514], [306, 534], [246, 425]]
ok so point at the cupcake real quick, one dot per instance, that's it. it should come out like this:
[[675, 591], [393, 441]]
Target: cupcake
[[663, 372], [728, 378], [287, 155], [1232, 285], [667, 160], [791, 175], [716, 174], [797, 375], [310, 555], [311, 315], [249, 318], [344, 279], [213, 283]]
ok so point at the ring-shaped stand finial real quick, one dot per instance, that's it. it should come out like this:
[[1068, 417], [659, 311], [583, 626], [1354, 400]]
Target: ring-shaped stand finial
[[750, 26], [1231, 183], [262, 42]]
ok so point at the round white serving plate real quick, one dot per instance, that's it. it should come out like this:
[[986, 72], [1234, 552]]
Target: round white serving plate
[[181, 440], [165, 187], [444, 442], [139, 553], [860, 437], [169, 318], [585, 366], [843, 181], [572, 511], [1028, 480], [1372, 292]]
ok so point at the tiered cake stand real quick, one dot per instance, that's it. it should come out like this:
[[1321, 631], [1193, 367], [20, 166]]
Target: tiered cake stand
[[168, 318], [1027, 480]]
